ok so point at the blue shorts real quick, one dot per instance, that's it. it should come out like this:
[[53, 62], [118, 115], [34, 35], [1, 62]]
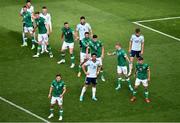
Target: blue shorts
[[88, 81], [135, 53]]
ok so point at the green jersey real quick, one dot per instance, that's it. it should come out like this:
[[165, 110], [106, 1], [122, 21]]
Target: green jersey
[[68, 35], [121, 57], [41, 23], [96, 47], [85, 42], [57, 88], [142, 71], [27, 19]]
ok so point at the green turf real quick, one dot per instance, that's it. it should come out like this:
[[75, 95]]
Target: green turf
[[25, 81]]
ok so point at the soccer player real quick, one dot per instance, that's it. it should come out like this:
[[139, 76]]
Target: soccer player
[[136, 47], [93, 69], [28, 27], [67, 37], [42, 35], [47, 17], [96, 46], [30, 8], [122, 66], [56, 94], [142, 74], [81, 29], [84, 53]]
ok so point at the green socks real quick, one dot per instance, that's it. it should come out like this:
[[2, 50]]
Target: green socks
[[129, 85], [80, 68], [146, 94], [72, 59], [51, 110], [49, 49], [60, 112], [39, 49], [62, 55]]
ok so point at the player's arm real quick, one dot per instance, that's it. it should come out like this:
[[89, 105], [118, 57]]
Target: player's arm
[[62, 36], [149, 73], [76, 33], [103, 50], [130, 46], [50, 24], [142, 48], [47, 27], [50, 92], [90, 31], [35, 27], [64, 91], [84, 69], [98, 70], [126, 57], [111, 54]]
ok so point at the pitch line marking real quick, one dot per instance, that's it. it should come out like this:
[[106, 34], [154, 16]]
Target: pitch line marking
[[159, 19], [157, 31], [23, 109]]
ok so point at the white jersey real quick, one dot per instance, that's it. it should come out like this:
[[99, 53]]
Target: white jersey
[[31, 10], [136, 42], [47, 17], [92, 68], [82, 29]]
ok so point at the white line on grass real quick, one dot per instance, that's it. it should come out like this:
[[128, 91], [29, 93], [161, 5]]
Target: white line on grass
[[25, 110], [154, 30], [160, 19]]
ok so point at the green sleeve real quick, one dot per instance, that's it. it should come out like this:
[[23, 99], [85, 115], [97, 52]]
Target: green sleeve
[[52, 83], [124, 53], [83, 43]]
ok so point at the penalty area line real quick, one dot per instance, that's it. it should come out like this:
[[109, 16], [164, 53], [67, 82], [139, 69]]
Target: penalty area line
[[23, 109], [157, 31]]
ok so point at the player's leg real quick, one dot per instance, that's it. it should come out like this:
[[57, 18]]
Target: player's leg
[[24, 36], [71, 51], [119, 80], [137, 83], [87, 82], [101, 70], [93, 80], [146, 92], [132, 55], [60, 103], [46, 40], [53, 102], [30, 29], [82, 58], [63, 49], [39, 48], [124, 69]]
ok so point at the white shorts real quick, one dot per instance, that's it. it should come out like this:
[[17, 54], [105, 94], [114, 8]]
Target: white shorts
[[67, 45], [56, 99], [122, 70], [28, 29], [139, 81], [42, 38], [83, 57], [100, 60]]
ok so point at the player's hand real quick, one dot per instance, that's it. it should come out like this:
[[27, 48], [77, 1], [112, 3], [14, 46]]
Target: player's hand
[[49, 96], [97, 73], [129, 51], [149, 79], [108, 53], [102, 56], [77, 38], [87, 73], [61, 96], [142, 52]]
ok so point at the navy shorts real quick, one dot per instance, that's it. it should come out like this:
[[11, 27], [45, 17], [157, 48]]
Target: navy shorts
[[135, 53], [88, 81]]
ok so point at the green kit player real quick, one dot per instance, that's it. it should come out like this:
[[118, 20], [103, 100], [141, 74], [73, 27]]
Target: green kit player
[[42, 35], [56, 94], [142, 76], [122, 66], [68, 43], [97, 47], [84, 53], [27, 28]]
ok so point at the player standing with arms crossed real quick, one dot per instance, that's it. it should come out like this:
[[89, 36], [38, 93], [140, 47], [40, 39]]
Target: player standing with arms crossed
[[136, 47], [93, 69], [67, 37], [56, 94], [142, 74], [122, 66]]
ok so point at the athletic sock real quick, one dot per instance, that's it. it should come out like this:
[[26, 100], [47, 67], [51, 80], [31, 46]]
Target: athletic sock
[[63, 55], [51, 110], [83, 91], [119, 82], [146, 94], [39, 49], [24, 37], [129, 85], [134, 92], [72, 58], [93, 92], [49, 49], [60, 112], [80, 68], [33, 40]]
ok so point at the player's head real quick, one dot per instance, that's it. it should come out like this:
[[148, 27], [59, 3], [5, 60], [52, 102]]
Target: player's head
[[58, 77], [44, 10], [118, 45], [82, 20], [37, 14], [140, 60], [86, 34], [93, 56], [24, 8], [66, 25], [137, 31], [28, 3], [95, 38]]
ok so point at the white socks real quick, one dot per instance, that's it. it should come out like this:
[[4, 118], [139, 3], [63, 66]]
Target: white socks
[[83, 91], [93, 92]]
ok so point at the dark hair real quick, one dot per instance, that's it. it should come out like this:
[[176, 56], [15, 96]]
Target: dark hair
[[82, 17], [86, 33], [44, 7], [27, 1], [24, 6], [93, 54], [119, 44], [95, 36], [140, 58], [37, 13], [137, 30], [58, 75], [65, 23]]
